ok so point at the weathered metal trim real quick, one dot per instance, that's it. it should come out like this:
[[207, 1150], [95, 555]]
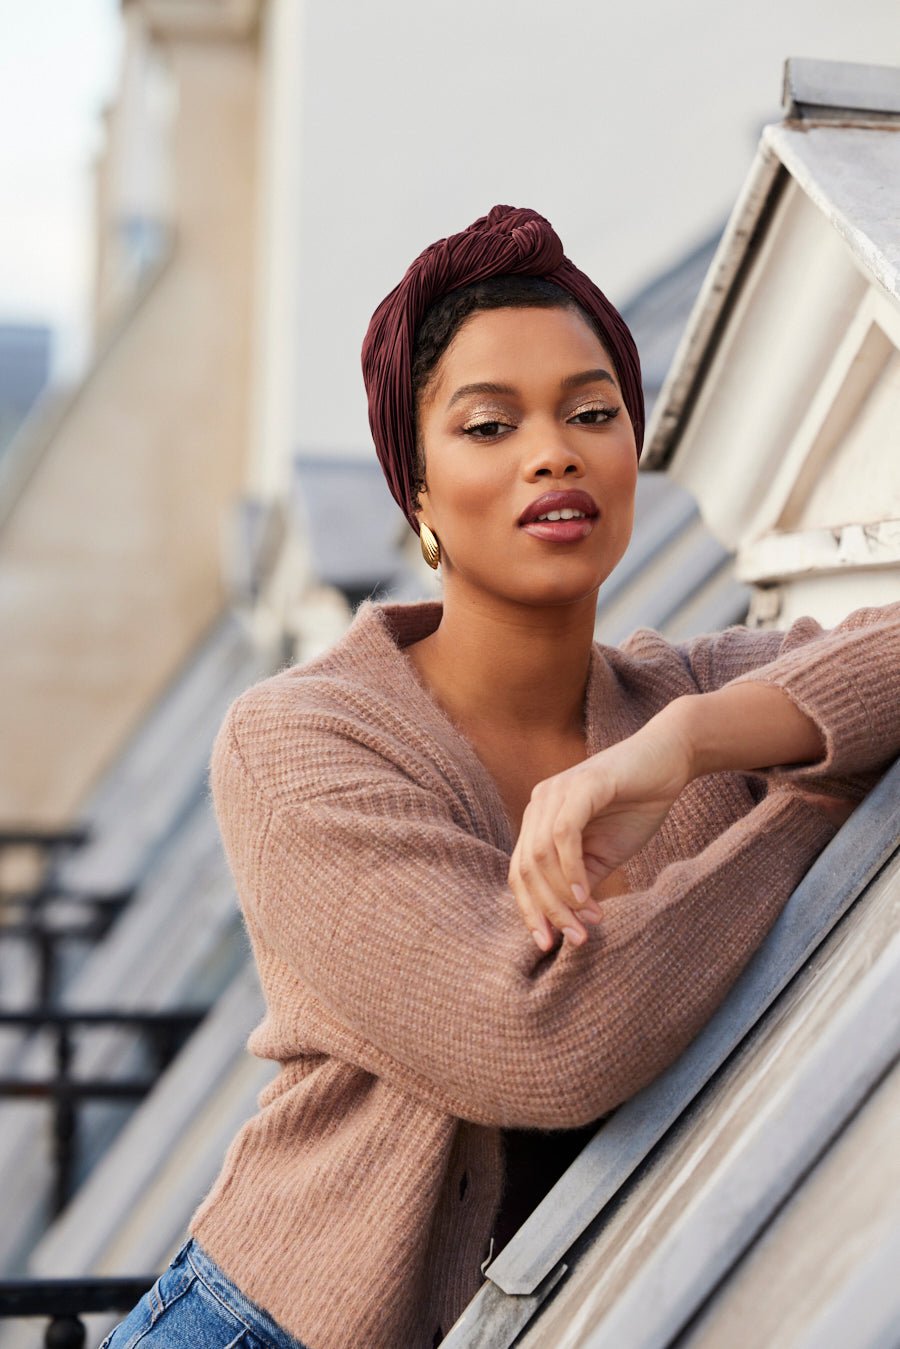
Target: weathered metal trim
[[493, 1319], [733, 260], [796, 1126], [814, 552], [877, 88], [840, 90], [865, 1311], [836, 879]]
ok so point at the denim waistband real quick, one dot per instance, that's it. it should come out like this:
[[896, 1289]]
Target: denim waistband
[[228, 1293]]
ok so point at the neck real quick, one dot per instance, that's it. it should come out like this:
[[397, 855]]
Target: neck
[[510, 668]]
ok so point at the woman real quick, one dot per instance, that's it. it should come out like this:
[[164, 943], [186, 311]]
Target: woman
[[495, 875]]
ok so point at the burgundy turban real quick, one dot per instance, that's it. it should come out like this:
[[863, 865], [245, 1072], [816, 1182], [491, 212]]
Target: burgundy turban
[[505, 241]]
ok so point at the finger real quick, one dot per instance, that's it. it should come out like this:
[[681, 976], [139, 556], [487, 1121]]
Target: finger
[[540, 929], [541, 932], [571, 813], [546, 898], [539, 867], [562, 863], [567, 834]]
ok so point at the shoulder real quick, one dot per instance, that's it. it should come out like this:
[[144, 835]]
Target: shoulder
[[645, 657], [310, 727], [647, 666]]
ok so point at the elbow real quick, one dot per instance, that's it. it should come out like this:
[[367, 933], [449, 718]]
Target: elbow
[[556, 1083], [553, 1098], [571, 1074]]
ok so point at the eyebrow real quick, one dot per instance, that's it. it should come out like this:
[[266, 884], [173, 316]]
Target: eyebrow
[[587, 377], [570, 382]]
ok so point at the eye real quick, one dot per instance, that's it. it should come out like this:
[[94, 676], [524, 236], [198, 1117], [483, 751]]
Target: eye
[[487, 430], [594, 416]]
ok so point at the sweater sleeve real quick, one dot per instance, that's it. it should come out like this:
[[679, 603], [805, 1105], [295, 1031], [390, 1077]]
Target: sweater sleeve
[[400, 922], [847, 680]]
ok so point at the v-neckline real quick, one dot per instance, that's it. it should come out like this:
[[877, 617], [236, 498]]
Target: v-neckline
[[394, 624]]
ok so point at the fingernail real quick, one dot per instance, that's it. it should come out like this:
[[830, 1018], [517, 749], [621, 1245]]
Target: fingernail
[[574, 936], [580, 894], [590, 915], [541, 940]]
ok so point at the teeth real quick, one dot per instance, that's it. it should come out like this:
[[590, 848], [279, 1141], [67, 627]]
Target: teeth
[[562, 515]]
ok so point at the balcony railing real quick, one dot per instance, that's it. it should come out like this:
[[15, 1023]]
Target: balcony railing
[[65, 1301]]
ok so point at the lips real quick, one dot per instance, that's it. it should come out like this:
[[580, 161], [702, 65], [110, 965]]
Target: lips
[[560, 501]]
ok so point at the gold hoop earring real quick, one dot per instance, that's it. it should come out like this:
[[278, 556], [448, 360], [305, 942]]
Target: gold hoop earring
[[431, 549]]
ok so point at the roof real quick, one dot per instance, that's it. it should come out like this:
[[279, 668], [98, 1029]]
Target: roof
[[839, 90], [350, 522], [848, 165], [657, 313], [25, 350], [676, 1202]]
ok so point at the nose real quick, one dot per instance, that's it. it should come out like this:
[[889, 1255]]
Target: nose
[[554, 459]]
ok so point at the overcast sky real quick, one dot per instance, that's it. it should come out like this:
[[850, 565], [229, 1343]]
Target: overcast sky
[[631, 126], [57, 67]]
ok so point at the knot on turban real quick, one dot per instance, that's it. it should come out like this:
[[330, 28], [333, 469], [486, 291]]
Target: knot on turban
[[506, 241]]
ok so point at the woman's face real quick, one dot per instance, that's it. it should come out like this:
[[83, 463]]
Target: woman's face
[[526, 402]]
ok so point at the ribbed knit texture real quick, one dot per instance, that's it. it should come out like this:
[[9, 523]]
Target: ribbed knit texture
[[411, 1012]]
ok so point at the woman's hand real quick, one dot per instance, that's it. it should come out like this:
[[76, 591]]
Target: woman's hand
[[580, 825]]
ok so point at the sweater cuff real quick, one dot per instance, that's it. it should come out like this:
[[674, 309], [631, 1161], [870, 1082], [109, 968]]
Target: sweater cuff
[[809, 824], [839, 714]]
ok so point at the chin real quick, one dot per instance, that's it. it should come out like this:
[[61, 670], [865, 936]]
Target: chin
[[556, 589], [554, 581]]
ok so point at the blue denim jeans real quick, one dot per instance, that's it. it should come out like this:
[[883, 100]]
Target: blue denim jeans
[[193, 1305]]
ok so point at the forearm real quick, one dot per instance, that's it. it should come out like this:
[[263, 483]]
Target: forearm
[[846, 680], [743, 727]]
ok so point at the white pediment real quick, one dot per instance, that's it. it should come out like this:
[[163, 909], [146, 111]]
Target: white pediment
[[782, 409]]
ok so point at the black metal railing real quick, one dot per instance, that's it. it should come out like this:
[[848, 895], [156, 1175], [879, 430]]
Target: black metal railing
[[164, 1033], [65, 1301], [28, 919], [47, 841], [42, 917], [23, 913]]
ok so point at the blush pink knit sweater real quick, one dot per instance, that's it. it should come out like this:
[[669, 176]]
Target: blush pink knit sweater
[[411, 1013]]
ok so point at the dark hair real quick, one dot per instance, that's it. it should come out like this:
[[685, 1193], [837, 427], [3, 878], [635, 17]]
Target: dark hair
[[447, 315]]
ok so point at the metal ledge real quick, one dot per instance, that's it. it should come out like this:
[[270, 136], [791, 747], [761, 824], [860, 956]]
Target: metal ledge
[[840, 874], [815, 552], [840, 91]]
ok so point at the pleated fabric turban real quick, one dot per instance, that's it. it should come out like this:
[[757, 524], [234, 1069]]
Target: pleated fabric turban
[[506, 241]]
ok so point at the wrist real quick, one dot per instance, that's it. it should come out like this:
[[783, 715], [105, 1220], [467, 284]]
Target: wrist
[[685, 722], [681, 728]]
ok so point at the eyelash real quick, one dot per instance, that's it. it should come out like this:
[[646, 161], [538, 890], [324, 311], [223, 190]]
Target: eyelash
[[605, 414]]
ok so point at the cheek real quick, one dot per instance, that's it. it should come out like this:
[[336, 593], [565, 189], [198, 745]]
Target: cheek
[[468, 486], [617, 474], [617, 488]]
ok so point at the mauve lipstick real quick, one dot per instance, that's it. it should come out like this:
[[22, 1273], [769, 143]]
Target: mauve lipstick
[[560, 531]]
